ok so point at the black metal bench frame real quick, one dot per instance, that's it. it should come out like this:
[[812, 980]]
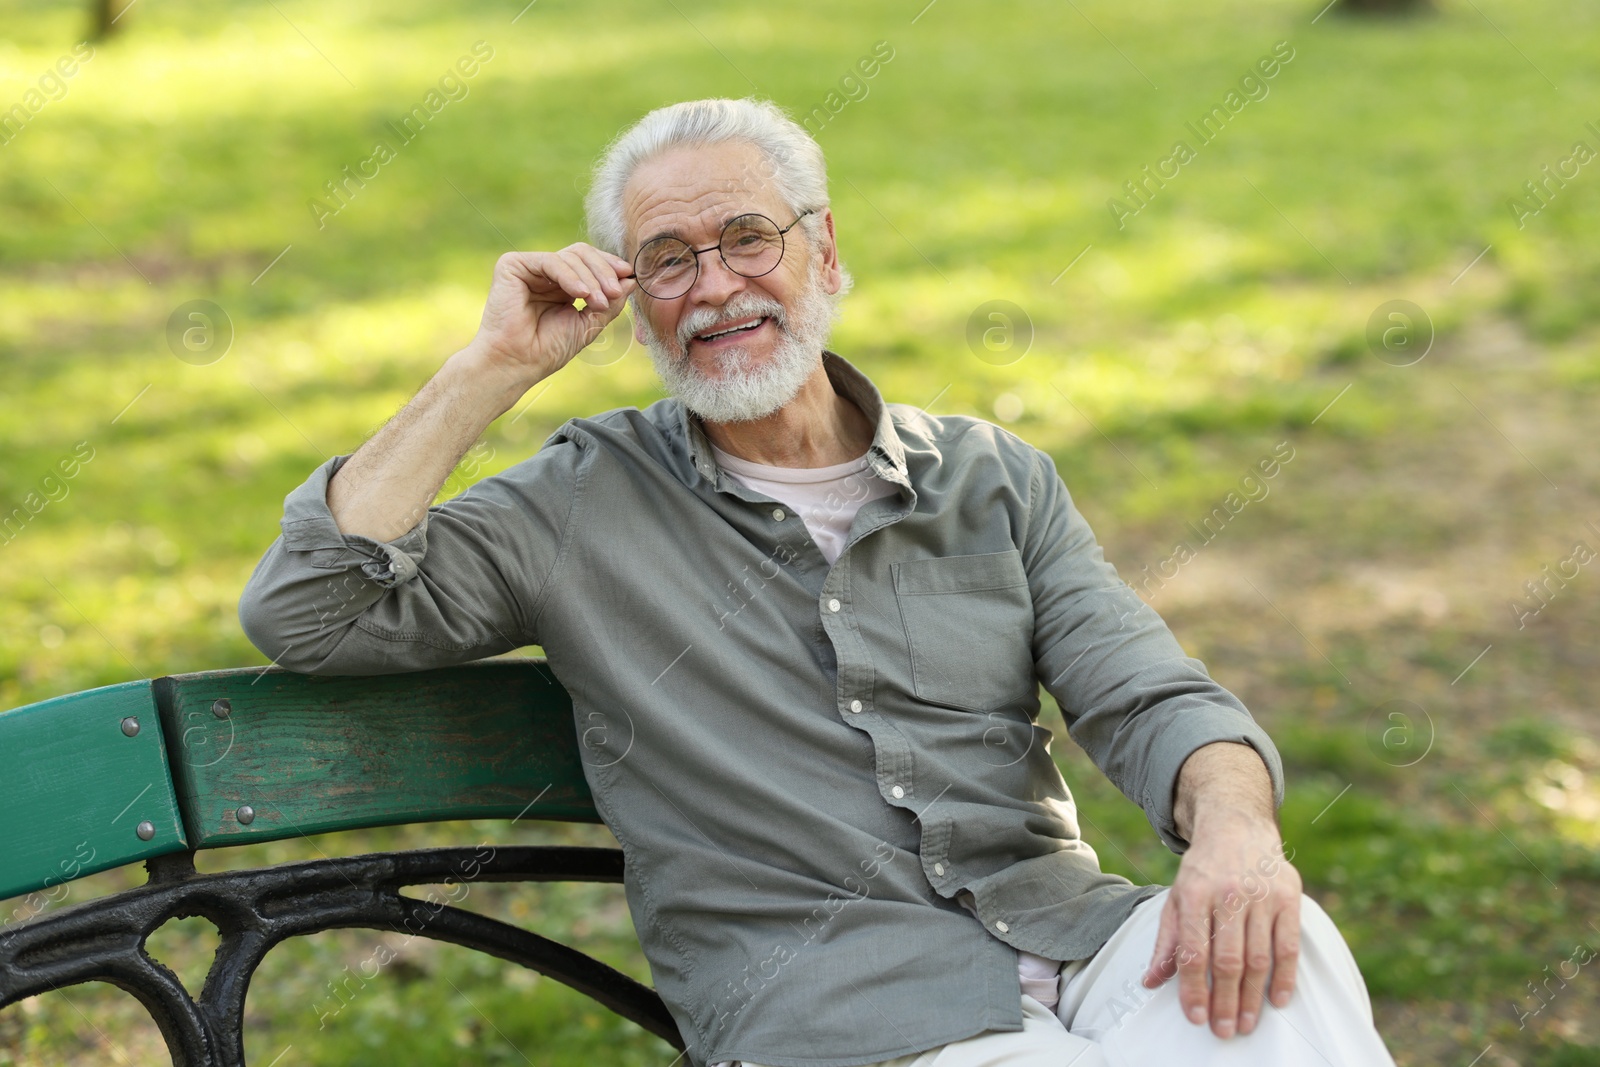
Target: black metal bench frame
[[104, 940]]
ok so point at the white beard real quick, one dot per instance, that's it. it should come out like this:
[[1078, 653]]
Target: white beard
[[741, 393]]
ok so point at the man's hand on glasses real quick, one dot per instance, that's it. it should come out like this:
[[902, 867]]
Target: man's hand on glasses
[[531, 325]]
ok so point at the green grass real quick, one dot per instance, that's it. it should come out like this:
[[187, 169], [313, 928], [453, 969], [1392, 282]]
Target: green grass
[[1223, 318]]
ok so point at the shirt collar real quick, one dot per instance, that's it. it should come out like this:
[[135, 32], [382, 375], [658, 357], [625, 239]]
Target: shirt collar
[[886, 454]]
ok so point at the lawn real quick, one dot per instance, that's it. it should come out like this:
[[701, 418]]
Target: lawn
[[1177, 314]]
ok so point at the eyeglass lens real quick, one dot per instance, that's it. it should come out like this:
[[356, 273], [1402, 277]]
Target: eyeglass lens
[[751, 245]]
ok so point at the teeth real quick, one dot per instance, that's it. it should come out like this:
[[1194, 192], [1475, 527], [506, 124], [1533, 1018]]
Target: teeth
[[736, 329]]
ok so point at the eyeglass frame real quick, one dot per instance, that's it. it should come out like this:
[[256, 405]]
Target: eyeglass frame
[[782, 247]]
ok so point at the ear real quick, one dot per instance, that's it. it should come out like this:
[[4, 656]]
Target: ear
[[638, 322], [831, 278]]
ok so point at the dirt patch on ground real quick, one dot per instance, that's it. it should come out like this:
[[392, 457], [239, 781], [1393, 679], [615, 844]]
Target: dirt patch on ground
[[1398, 567]]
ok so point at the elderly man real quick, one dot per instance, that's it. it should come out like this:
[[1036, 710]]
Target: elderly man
[[811, 626]]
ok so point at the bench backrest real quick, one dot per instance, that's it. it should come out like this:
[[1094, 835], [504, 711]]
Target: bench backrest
[[126, 772]]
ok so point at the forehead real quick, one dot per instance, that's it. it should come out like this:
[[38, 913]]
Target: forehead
[[690, 192]]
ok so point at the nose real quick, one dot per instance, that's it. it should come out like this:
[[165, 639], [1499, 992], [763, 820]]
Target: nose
[[715, 283]]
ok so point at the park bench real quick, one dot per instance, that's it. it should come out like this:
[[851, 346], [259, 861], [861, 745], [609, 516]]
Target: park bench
[[154, 770]]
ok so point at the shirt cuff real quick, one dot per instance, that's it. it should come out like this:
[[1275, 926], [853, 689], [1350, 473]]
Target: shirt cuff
[[1192, 730], [308, 526]]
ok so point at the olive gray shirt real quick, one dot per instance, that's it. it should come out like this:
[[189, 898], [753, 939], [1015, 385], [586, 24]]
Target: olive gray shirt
[[806, 765]]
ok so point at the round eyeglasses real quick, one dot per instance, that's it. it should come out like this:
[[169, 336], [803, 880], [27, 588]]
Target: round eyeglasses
[[751, 245]]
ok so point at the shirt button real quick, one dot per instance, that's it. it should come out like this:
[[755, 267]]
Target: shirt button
[[833, 605], [897, 792], [1002, 927], [855, 705], [938, 868], [777, 514]]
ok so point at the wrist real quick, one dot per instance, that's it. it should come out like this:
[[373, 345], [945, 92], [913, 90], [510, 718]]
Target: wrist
[[488, 384], [1223, 784], [1247, 817]]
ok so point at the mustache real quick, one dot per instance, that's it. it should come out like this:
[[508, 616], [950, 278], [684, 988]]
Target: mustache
[[703, 319]]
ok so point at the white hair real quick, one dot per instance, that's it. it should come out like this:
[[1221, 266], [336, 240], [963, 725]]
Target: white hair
[[792, 157]]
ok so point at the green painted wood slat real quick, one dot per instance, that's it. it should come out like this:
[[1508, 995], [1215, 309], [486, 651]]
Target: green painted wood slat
[[76, 786], [308, 754]]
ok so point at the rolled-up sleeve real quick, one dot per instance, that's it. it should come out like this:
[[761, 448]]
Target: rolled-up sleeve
[[1130, 696], [468, 580]]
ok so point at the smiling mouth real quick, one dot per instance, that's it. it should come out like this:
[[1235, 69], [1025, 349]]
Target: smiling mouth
[[732, 331]]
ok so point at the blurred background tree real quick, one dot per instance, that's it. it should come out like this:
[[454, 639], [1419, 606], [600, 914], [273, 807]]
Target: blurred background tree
[[106, 17]]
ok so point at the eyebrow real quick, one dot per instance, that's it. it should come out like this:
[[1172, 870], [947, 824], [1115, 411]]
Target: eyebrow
[[673, 233]]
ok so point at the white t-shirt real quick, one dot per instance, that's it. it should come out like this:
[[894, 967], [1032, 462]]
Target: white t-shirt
[[826, 499]]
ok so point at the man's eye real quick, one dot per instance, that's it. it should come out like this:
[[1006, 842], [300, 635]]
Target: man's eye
[[674, 263]]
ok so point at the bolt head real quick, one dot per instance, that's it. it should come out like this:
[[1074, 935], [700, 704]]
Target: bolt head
[[246, 814], [130, 726], [146, 830], [221, 708]]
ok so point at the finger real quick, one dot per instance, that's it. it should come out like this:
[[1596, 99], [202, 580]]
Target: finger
[[573, 283], [619, 266], [599, 306], [1257, 962], [1194, 957], [1227, 971], [544, 274], [1285, 952], [1162, 965], [607, 268], [592, 291], [597, 265], [624, 266], [599, 313]]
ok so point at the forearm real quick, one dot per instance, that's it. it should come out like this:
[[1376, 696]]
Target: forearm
[[382, 490], [1224, 780]]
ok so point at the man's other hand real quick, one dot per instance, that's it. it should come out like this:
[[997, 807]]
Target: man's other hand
[[1234, 909]]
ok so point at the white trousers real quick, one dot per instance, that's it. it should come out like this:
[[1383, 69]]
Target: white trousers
[[1107, 1018]]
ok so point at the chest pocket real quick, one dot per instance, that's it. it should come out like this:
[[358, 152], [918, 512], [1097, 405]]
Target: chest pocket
[[969, 628]]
